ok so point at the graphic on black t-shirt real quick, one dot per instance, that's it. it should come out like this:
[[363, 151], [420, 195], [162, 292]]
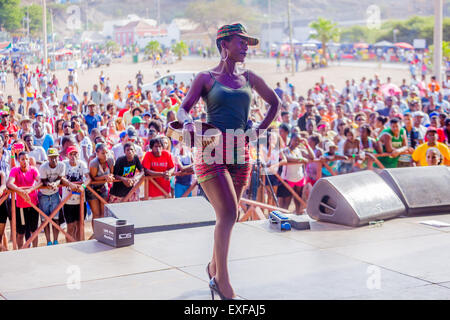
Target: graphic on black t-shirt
[[127, 169]]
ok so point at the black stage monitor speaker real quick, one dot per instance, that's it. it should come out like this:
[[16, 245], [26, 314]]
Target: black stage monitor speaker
[[423, 190], [353, 199]]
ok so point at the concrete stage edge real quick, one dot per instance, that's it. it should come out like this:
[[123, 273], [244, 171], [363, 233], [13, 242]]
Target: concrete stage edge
[[401, 259]]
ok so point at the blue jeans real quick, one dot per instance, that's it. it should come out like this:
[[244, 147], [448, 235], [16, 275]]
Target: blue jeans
[[48, 203]]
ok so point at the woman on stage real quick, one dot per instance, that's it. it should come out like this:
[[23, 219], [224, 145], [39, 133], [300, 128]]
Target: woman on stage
[[227, 92]]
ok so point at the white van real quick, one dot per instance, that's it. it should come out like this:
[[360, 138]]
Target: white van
[[181, 76]]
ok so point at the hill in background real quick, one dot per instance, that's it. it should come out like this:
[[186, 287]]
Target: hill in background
[[338, 10]]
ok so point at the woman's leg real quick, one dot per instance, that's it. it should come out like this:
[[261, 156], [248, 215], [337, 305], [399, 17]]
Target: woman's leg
[[306, 191], [222, 196], [72, 230], [285, 202], [2, 230], [298, 206]]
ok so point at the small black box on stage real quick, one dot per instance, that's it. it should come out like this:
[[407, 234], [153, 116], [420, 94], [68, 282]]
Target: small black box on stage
[[300, 222], [114, 232]]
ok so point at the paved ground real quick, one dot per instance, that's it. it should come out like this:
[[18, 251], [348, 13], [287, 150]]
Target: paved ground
[[401, 259]]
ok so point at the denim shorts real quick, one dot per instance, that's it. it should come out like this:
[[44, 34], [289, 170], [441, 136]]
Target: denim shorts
[[48, 203], [101, 190]]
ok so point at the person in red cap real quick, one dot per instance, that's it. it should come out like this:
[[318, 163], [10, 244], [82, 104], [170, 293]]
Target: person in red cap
[[420, 154], [227, 92]]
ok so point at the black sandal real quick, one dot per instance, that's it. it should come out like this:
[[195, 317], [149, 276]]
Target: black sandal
[[207, 271], [215, 288]]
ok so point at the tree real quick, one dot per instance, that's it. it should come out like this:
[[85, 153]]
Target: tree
[[180, 49], [35, 16], [10, 14], [213, 14], [112, 46], [326, 30], [153, 47], [445, 51]]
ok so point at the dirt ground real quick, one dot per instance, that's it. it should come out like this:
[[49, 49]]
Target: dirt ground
[[121, 71]]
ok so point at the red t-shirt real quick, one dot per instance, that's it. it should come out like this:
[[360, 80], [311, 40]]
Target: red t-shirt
[[121, 112], [158, 164], [11, 128], [441, 135]]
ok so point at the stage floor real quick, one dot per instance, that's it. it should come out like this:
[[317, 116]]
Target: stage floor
[[401, 259]]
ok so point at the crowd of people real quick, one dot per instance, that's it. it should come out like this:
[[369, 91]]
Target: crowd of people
[[54, 145]]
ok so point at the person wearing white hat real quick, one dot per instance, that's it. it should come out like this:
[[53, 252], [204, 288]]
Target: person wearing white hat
[[331, 157], [417, 123]]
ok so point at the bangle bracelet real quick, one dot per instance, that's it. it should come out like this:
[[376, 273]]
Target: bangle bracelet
[[353, 155], [13, 157]]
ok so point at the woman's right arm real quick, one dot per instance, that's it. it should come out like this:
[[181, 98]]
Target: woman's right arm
[[3, 182], [346, 147], [192, 97]]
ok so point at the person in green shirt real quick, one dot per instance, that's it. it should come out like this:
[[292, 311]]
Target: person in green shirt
[[167, 104], [394, 142]]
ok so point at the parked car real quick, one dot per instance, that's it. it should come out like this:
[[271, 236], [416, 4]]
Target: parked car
[[181, 76], [103, 60]]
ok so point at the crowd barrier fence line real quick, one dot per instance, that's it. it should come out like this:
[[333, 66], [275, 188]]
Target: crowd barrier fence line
[[254, 211]]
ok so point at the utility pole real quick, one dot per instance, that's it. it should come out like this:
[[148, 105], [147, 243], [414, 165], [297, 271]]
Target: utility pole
[[437, 39], [87, 26], [28, 26], [44, 24], [291, 51], [270, 26], [394, 32], [53, 39], [159, 12]]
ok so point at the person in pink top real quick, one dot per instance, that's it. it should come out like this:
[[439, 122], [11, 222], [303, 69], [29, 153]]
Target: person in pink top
[[25, 180]]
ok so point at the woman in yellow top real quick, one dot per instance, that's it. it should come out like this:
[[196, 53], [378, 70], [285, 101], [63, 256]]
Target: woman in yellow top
[[30, 91], [420, 154]]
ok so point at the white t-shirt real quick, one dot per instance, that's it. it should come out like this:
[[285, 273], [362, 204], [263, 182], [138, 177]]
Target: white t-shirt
[[446, 89], [272, 159], [74, 174], [86, 143], [38, 154], [120, 104], [317, 97], [52, 174], [107, 98], [293, 172]]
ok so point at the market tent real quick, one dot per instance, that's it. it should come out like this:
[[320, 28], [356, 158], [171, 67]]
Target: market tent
[[62, 52], [360, 45], [384, 43], [404, 45]]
